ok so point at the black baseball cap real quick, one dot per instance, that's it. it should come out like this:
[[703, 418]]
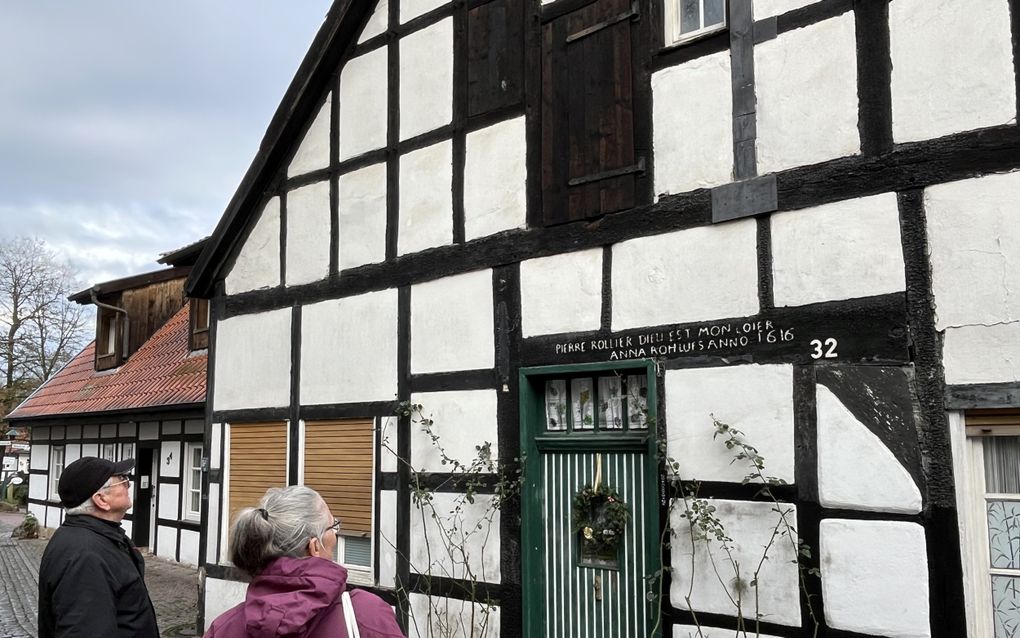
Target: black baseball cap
[[86, 476]]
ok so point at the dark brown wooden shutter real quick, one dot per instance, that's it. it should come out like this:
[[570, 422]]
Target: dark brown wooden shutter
[[589, 161], [198, 320], [495, 62], [258, 461], [339, 460]]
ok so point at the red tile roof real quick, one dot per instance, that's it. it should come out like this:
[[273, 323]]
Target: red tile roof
[[163, 372]]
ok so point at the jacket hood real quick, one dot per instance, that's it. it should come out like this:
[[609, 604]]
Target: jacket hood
[[290, 594]]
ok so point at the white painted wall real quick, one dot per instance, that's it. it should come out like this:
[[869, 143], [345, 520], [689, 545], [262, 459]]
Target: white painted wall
[[349, 349], [806, 85], [171, 427], [387, 538], [452, 323], [74, 431], [410, 9], [855, 469], [561, 293], [388, 443], [189, 547], [952, 67], [756, 399], [462, 419], [252, 363], [481, 546], [768, 8], [147, 431], [751, 526], [438, 616], [221, 595], [875, 577], [39, 456], [837, 251], [106, 431], [495, 176], [378, 23], [982, 354], [258, 260], [38, 486], [313, 152], [426, 78], [426, 198], [363, 217], [38, 511], [703, 273], [166, 541], [692, 124], [170, 460], [169, 499], [308, 223], [693, 631], [212, 523], [363, 104]]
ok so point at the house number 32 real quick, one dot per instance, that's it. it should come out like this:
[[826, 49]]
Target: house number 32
[[824, 349]]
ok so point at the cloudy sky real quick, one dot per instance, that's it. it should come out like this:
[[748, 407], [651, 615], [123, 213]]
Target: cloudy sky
[[126, 126]]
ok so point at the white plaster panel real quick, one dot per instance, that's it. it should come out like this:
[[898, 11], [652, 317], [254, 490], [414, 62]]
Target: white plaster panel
[[71, 454], [378, 23], [189, 547], [90, 449], [194, 426], [90, 431], [426, 198], [694, 631], [806, 85], [837, 251], [169, 498], [313, 152], [216, 430], [751, 526], [388, 443], [37, 487], [170, 459], [495, 175], [42, 433], [126, 429], [952, 67], [106, 431], [410, 9], [692, 122], [755, 399], [220, 596], [147, 431], [982, 354], [703, 273], [54, 516], [426, 79], [438, 616], [363, 217], [166, 542], [561, 293], [39, 457], [38, 511], [768, 8], [452, 323], [308, 234], [855, 469], [875, 577], [363, 104], [212, 524], [57, 432], [258, 261], [387, 538], [974, 243], [349, 349], [462, 420], [74, 432], [252, 363], [471, 530], [171, 428], [126, 525]]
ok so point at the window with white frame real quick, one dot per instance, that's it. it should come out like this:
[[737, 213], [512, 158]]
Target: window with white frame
[[56, 469], [109, 451], [686, 20], [193, 482], [127, 451], [988, 477]]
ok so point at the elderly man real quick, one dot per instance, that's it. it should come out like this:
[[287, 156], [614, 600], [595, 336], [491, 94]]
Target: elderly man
[[91, 578]]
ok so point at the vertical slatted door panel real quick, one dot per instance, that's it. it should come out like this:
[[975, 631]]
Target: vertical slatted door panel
[[339, 460], [258, 461], [571, 606]]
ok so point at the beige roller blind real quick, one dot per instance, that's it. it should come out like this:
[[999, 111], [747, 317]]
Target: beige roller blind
[[990, 419], [339, 459], [258, 461]]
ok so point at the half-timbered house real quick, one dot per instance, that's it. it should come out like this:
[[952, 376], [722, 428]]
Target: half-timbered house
[[598, 235], [137, 391]]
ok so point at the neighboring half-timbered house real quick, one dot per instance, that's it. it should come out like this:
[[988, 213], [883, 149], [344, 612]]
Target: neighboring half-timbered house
[[584, 231], [137, 391]]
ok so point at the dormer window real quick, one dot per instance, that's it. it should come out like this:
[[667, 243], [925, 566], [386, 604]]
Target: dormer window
[[687, 20], [199, 324], [108, 340]]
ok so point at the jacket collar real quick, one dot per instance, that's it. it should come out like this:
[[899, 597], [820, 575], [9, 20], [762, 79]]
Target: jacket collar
[[107, 529]]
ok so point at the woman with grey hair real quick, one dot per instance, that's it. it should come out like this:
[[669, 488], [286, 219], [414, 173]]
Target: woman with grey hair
[[286, 545]]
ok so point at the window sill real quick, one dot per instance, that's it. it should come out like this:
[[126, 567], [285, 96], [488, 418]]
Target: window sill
[[691, 38]]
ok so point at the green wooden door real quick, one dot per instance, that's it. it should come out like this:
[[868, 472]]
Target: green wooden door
[[603, 442]]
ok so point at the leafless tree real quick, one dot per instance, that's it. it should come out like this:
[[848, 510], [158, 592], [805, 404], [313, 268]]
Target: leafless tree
[[40, 330]]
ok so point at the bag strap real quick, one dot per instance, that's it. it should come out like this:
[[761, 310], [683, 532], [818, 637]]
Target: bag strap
[[349, 619]]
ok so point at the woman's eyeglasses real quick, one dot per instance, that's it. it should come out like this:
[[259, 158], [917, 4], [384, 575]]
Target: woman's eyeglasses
[[335, 527]]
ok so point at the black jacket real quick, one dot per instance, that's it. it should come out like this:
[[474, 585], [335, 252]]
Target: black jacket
[[91, 584]]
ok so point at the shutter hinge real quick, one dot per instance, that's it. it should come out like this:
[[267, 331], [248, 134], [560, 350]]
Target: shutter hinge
[[631, 13], [616, 172]]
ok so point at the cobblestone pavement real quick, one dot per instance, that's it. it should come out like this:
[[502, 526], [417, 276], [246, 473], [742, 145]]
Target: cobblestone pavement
[[172, 587]]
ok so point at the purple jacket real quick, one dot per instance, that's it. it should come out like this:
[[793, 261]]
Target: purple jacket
[[300, 598]]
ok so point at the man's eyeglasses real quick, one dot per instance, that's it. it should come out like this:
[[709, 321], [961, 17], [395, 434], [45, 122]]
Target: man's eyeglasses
[[124, 478]]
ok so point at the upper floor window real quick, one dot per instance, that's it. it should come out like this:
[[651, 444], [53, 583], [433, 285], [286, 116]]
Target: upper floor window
[[687, 20], [108, 340], [199, 321]]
